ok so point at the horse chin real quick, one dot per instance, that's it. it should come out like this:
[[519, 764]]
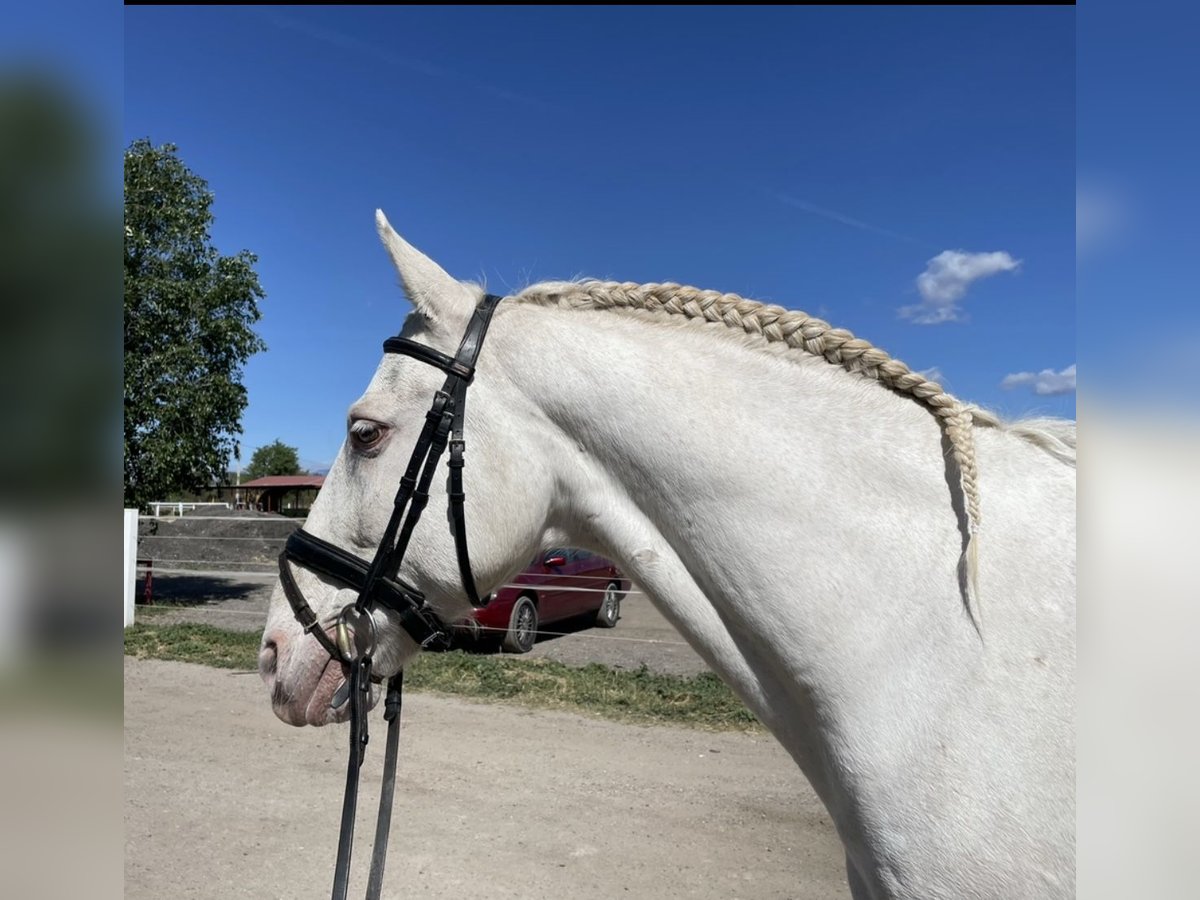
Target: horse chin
[[313, 704]]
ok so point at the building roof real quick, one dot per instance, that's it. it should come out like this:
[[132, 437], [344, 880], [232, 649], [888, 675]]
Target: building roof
[[285, 481]]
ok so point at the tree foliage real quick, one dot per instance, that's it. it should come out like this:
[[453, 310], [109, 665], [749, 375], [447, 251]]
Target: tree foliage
[[188, 317], [273, 459]]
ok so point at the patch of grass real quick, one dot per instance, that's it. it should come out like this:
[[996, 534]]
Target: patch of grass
[[701, 701], [194, 643], [640, 696]]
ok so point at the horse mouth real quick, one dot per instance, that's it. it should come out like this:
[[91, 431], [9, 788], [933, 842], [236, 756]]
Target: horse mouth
[[313, 704]]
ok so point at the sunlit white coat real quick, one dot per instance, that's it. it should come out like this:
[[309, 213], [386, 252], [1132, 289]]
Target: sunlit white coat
[[801, 525]]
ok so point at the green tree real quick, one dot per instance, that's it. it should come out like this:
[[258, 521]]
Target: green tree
[[188, 317], [273, 459]]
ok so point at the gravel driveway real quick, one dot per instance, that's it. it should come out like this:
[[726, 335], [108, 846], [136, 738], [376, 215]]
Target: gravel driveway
[[493, 801]]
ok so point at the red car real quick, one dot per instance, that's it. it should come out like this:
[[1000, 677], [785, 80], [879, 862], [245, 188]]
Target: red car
[[561, 584]]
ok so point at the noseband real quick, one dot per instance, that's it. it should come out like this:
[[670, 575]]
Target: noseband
[[378, 582]]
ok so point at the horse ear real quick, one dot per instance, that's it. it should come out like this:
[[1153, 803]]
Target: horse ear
[[433, 293]]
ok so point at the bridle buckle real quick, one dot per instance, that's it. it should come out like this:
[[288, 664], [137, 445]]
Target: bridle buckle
[[437, 639]]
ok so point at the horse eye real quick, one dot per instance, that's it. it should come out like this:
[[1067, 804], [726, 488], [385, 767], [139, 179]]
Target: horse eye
[[366, 434]]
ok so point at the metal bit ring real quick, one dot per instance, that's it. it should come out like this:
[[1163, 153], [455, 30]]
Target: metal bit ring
[[356, 634]]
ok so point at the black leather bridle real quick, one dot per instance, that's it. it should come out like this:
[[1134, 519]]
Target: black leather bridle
[[378, 582]]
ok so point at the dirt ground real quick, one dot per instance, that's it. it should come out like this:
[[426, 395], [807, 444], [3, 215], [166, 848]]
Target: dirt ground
[[493, 801], [223, 800]]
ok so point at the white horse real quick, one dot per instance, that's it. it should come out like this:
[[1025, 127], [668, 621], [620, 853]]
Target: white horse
[[805, 510]]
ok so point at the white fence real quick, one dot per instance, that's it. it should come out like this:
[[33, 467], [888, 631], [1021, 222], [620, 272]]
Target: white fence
[[180, 508]]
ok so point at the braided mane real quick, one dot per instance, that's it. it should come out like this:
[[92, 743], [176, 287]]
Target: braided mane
[[838, 346]]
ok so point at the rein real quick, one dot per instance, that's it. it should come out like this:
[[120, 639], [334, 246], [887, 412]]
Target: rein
[[378, 584]]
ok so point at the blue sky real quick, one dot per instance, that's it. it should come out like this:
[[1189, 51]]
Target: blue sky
[[819, 158]]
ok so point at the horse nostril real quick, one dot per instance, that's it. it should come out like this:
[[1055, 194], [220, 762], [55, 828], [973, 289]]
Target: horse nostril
[[268, 657]]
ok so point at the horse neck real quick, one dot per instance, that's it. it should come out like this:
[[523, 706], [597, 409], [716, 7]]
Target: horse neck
[[783, 514], [801, 529]]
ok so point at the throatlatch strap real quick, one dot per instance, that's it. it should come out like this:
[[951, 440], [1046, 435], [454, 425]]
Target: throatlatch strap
[[458, 518], [467, 351]]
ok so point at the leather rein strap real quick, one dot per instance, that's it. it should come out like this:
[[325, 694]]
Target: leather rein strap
[[378, 582]]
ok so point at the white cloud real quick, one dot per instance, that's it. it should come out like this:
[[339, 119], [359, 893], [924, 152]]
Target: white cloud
[[946, 279], [932, 374], [1046, 383]]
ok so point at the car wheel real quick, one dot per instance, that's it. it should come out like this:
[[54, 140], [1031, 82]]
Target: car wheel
[[610, 609], [522, 627]]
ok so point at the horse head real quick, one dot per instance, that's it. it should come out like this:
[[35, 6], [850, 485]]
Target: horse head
[[507, 505]]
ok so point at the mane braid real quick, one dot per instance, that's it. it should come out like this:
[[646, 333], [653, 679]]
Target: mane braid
[[811, 335]]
